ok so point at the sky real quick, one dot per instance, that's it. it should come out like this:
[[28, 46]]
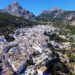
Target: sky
[[36, 6]]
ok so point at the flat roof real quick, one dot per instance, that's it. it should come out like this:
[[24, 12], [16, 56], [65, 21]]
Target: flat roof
[[43, 68]]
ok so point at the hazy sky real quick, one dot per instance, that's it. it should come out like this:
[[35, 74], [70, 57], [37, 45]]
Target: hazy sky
[[36, 6]]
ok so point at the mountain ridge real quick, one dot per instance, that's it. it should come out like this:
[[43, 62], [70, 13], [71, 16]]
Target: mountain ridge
[[57, 14], [16, 9]]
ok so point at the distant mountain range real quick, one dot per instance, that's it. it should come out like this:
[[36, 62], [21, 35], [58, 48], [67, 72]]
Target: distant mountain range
[[16, 9], [56, 14]]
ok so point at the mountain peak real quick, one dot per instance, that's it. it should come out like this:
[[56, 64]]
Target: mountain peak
[[56, 9], [16, 4], [52, 10], [16, 9]]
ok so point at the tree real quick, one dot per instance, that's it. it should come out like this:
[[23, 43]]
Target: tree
[[72, 58], [58, 67]]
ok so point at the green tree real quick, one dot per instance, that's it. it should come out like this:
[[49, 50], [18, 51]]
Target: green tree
[[57, 67]]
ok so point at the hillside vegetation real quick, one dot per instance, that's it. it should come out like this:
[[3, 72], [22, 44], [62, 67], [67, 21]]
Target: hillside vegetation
[[8, 23]]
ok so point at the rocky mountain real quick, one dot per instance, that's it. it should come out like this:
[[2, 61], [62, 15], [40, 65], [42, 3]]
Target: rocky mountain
[[56, 14], [16, 9]]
